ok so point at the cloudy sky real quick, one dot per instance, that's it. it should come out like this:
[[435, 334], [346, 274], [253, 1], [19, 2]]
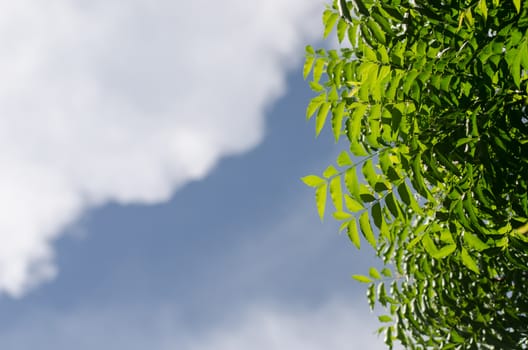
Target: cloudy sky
[[150, 155]]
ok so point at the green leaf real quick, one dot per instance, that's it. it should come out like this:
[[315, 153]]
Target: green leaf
[[330, 171], [353, 233], [352, 183], [415, 240], [355, 121], [320, 119], [374, 273], [410, 79], [371, 296], [318, 69], [314, 104], [393, 205], [517, 4], [344, 159], [361, 278], [445, 251], [357, 149], [483, 9], [320, 199], [366, 229], [468, 261], [313, 180], [474, 242], [336, 193], [329, 23], [361, 7], [385, 318], [308, 63], [352, 205], [342, 215], [343, 10], [404, 193], [377, 216], [408, 198], [370, 173], [376, 31], [342, 27], [429, 245], [338, 114], [316, 87], [386, 272]]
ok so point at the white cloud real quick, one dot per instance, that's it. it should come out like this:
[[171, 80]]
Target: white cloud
[[114, 100], [333, 326], [336, 325]]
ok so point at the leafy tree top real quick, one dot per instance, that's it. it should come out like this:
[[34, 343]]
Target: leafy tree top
[[432, 97]]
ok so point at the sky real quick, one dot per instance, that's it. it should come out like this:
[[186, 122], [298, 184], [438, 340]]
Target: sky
[[151, 153]]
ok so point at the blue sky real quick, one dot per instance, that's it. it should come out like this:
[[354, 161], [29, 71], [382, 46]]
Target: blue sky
[[152, 156]]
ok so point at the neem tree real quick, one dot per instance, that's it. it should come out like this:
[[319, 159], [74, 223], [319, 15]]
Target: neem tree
[[432, 97]]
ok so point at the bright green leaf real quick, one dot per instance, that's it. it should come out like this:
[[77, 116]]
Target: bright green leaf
[[320, 119], [385, 318], [474, 242], [352, 205], [344, 159], [517, 4], [351, 182], [314, 104], [342, 215], [329, 23], [366, 229], [468, 261], [318, 69], [338, 114], [313, 180], [308, 63], [320, 199], [353, 233], [374, 273], [330, 171], [386, 272], [445, 251], [361, 278], [336, 193]]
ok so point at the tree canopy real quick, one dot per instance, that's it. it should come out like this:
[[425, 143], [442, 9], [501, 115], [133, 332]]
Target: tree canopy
[[432, 99]]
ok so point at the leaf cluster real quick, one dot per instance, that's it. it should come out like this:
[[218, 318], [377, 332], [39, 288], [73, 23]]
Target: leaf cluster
[[432, 98]]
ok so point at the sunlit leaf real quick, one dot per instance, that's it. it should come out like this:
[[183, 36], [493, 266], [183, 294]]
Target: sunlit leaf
[[336, 193], [361, 278], [320, 199], [308, 63], [338, 114], [366, 229], [374, 273], [313, 180], [474, 242], [353, 233], [344, 159], [352, 205], [385, 318], [468, 261], [330, 171]]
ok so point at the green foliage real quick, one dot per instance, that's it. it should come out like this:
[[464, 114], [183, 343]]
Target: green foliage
[[432, 98]]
